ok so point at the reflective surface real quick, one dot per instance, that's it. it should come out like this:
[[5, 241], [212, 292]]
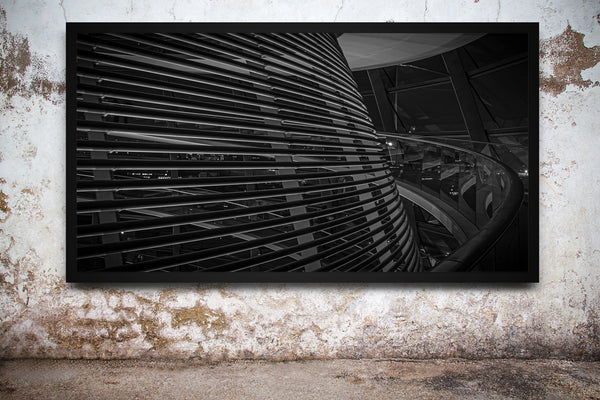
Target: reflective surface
[[485, 194], [230, 152]]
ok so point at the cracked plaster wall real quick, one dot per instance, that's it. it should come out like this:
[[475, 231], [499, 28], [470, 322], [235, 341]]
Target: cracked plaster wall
[[41, 316]]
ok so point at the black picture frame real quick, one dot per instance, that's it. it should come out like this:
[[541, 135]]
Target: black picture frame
[[531, 29]]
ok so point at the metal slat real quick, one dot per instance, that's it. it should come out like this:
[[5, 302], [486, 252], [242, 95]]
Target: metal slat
[[287, 86], [127, 226], [261, 140], [168, 262], [136, 67], [100, 250], [117, 185], [150, 132], [211, 96], [170, 201], [166, 115]]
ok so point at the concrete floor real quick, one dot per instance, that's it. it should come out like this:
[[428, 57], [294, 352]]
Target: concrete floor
[[334, 379]]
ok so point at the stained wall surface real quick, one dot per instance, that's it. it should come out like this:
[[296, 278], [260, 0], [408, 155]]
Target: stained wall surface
[[42, 316]]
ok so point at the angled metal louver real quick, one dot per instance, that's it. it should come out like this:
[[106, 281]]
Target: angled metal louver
[[230, 152]]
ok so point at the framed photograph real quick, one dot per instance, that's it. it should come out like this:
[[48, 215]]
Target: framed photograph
[[322, 152]]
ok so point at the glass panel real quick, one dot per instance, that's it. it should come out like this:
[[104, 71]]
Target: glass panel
[[431, 168], [449, 177]]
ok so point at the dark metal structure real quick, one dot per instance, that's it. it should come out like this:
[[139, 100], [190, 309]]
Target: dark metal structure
[[230, 152], [476, 198], [457, 127], [198, 152]]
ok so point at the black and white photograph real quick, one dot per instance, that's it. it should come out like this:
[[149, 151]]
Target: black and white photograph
[[237, 152]]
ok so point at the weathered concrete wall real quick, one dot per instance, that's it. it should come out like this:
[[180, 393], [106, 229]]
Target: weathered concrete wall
[[41, 316]]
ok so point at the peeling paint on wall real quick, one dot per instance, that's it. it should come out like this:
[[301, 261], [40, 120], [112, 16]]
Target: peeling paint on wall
[[41, 316], [16, 61], [568, 56]]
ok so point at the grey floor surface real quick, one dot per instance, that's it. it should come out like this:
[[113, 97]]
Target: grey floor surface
[[319, 379]]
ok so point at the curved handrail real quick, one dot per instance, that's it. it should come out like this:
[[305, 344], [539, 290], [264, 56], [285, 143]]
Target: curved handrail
[[477, 246], [468, 141]]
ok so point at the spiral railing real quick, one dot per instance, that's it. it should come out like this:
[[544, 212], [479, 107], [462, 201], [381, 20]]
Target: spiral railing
[[230, 152], [476, 197]]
